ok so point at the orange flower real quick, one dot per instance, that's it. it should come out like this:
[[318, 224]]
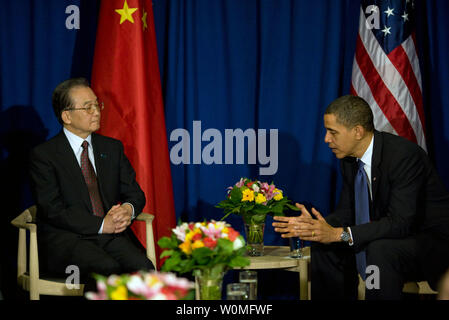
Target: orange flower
[[232, 234], [185, 247]]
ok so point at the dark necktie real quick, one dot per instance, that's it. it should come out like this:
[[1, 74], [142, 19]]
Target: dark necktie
[[91, 181], [361, 212]]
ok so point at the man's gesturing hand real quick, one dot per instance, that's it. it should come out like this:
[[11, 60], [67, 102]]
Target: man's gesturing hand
[[306, 227]]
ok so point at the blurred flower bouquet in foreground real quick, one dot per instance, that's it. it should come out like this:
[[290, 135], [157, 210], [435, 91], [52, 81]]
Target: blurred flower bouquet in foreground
[[208, 249], [142, 286], [253, 200]]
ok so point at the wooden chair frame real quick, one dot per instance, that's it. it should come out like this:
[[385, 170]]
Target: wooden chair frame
[[28, 275]]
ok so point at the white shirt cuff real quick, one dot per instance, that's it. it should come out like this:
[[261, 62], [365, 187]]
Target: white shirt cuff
[[101, 228], [351, 243], [134, 215]]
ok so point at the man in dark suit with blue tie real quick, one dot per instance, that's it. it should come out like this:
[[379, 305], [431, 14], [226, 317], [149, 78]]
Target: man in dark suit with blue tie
[[392, 219], [85, 191]]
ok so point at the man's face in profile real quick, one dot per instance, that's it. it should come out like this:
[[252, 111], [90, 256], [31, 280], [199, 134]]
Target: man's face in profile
[[78, 120], [339, 138]]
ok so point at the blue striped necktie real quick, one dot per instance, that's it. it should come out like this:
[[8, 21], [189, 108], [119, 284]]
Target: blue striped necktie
[[361, 212]]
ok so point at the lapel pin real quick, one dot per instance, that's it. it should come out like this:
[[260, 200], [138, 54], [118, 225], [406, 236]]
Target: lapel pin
[[103, 156], [374, 179]]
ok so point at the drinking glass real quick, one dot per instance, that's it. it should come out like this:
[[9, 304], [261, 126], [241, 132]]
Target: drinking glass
[[250, 277], [296, 246], [237, 291]]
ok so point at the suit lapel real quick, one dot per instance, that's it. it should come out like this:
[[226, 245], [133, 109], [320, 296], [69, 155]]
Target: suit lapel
[[375, 163], [102, 165], [70, 163]]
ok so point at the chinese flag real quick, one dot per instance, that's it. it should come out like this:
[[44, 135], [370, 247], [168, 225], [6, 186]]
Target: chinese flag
[[126, 78]]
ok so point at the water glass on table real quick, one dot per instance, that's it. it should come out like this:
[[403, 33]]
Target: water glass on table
[[296, 246], [249, 277], [237, 291]]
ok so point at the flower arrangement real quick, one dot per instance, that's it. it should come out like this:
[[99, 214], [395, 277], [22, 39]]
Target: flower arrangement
[[202, 245], [142, 286], [208, 249], [253, 200]]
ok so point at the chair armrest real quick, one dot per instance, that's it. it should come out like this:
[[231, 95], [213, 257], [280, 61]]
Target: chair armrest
[[151, 250], [145, 217], [24, 221]]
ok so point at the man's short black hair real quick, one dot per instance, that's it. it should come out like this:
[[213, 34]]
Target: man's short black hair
[[351, 111], [61, 98]]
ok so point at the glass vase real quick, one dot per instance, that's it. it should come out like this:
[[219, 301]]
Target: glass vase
[[254, 238], [208, 283]]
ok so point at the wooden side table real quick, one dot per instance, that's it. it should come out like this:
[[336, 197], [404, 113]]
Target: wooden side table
[[277, 257]]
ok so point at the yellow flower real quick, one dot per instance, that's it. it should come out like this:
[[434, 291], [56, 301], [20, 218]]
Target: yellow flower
[[190, 235], [186, 247], [278, 194], [198, 244], [260, 198], [120, 293], [248, 195], [152, 281]]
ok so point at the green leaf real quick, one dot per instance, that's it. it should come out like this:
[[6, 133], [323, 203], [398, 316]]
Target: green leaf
[[277, 209], [166, 253], [225, 246], [202, 255], [291, 207], [167, 243], [239, 261], [171, 264], [236, 195], [224, 204]]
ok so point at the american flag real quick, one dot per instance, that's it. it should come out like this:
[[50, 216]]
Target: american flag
[[386, 68]]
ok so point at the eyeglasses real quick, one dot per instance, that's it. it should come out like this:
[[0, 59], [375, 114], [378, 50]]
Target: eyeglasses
[[90, 108]]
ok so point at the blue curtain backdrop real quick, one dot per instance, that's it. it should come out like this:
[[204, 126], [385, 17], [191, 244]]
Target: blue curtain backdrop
[[268, 64], [262, 65]]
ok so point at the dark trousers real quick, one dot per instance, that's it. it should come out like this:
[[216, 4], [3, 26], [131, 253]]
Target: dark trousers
[[334, 272], [102, 254]]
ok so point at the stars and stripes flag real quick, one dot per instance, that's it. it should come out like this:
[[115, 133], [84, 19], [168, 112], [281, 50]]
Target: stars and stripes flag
[[386, 68]]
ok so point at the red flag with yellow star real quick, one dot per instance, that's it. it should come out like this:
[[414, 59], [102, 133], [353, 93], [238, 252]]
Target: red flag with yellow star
[[126, 78]]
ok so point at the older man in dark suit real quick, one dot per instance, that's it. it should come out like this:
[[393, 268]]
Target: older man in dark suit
[[85, 191], [392, 219]]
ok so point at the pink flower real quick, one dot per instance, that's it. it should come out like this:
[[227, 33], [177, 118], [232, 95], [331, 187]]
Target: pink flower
[[265, 186], [241, 183], [211, 232], [137, 285], [268, 190], [180, 231]]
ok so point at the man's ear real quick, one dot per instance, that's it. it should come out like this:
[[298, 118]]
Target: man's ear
[[359, 132], [65, 117]]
